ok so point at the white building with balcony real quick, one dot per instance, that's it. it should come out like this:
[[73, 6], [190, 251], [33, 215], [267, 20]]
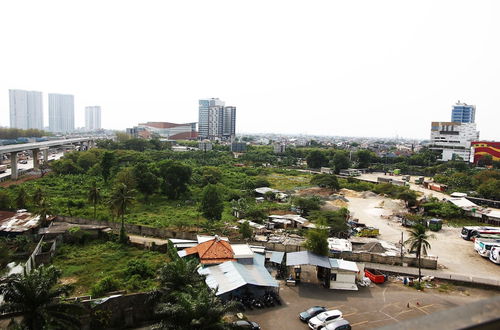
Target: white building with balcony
[[453, 140]]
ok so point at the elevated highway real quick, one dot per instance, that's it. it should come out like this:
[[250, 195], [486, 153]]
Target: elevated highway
[[37, 147]]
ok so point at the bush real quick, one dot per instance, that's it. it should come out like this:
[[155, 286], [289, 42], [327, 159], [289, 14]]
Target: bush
[[138, 268], [105, 285]]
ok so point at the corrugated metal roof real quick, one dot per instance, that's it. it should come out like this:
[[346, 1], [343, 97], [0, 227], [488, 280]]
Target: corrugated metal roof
[[20, 222], [231, 275], [344, 265], [307, 258], [277, 257]]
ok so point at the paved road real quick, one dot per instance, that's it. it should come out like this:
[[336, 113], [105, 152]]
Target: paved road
[[365, 309], [29, 165]]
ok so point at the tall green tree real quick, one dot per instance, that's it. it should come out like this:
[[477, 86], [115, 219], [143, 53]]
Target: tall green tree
[[364, 158], [245, 230], [175, 178], [38, 195], [43, 209], [107, 163], [211, 203], [36, 296], [316, 159], [340, 161], [94, 196], [5, 201], [326, 181], [317, 239], [147, 182], [419, 244], [121, 199]]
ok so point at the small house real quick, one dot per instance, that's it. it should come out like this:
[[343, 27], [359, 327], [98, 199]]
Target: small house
[[343, 274]]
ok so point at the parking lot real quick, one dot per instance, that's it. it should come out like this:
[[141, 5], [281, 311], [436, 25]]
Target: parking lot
[[364, 309]]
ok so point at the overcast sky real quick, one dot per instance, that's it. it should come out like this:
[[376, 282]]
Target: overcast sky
[[354, 68]]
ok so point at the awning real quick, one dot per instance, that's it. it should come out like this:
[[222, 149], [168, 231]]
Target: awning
[[344, 265], [307, 258], [277, 257]]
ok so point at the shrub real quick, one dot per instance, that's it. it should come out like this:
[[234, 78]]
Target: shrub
[[138, 267], [105, 285]]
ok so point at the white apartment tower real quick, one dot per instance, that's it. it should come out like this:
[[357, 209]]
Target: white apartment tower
[[61, 113], [26, 109], [93, 118]]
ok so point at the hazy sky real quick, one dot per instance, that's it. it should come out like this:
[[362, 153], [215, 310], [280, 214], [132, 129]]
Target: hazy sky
[[356, 68]]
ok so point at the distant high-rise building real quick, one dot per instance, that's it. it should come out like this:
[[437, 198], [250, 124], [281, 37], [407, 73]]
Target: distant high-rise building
[[453, 140], [93, 118], [463, 113], [216, 120], [229, 122], [26, 109], [61, 113]]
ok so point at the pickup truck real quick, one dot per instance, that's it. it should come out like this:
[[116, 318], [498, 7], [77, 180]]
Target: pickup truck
[[3, 168]]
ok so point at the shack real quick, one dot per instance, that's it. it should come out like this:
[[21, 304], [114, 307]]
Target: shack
[[343, 274]]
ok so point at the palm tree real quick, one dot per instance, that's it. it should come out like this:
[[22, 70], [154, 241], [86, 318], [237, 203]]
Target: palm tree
[[43, 209], [94, 196], [121, 198], [419, 244], [178, 274], [21, 198], [34, 294], [199, 309], [38, 195]]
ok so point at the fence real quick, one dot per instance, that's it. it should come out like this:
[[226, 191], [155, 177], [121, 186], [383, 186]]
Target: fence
[[132, 229], [31, 262]]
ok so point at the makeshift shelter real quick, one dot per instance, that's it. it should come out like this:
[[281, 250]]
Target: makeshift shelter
[[233, 278], [343, 274]]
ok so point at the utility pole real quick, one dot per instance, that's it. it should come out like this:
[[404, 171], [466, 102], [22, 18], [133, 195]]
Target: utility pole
[[402, 244]]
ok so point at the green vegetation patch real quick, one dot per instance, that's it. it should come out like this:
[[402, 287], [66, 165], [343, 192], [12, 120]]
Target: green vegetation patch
[[89, 267], [285, 182]]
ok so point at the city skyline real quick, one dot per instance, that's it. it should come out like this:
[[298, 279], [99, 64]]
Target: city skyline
[[331, 69]]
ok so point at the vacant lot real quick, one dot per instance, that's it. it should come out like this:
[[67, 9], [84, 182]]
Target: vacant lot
[[455, 255], [85, 265], [365, 309]]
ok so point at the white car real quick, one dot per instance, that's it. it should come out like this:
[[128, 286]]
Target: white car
[[341, 324], [324, 318]]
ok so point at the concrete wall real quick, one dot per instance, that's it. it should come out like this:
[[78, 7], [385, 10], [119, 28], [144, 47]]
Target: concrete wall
[[132, 229], [428, 263]]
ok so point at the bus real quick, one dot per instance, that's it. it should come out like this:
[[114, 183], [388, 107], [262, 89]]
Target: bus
[[483, 246], [495, 254], [468, 232]]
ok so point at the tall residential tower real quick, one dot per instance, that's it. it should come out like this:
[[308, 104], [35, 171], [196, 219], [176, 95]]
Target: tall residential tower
[[26, 109], [93, 118], [216, 121], [61, 113]]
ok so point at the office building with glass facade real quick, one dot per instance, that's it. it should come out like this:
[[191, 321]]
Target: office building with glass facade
[[463, 113]]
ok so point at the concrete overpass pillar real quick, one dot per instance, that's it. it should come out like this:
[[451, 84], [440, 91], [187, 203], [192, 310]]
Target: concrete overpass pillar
[[36, 162], [13, 165], [46, 156]]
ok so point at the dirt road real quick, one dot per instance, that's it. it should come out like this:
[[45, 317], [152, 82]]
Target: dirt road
[[455, 255]]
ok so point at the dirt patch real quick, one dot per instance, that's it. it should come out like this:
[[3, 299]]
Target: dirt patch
[[315, 191], [350, 193], [69, 280], [9, 183]]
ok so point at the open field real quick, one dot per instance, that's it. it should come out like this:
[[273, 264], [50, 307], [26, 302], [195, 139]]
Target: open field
[[289, 182], [365, 309], [455, 255], [84, 265]]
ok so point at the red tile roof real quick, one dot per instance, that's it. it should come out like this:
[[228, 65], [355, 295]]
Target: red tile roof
[[214, 251]]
